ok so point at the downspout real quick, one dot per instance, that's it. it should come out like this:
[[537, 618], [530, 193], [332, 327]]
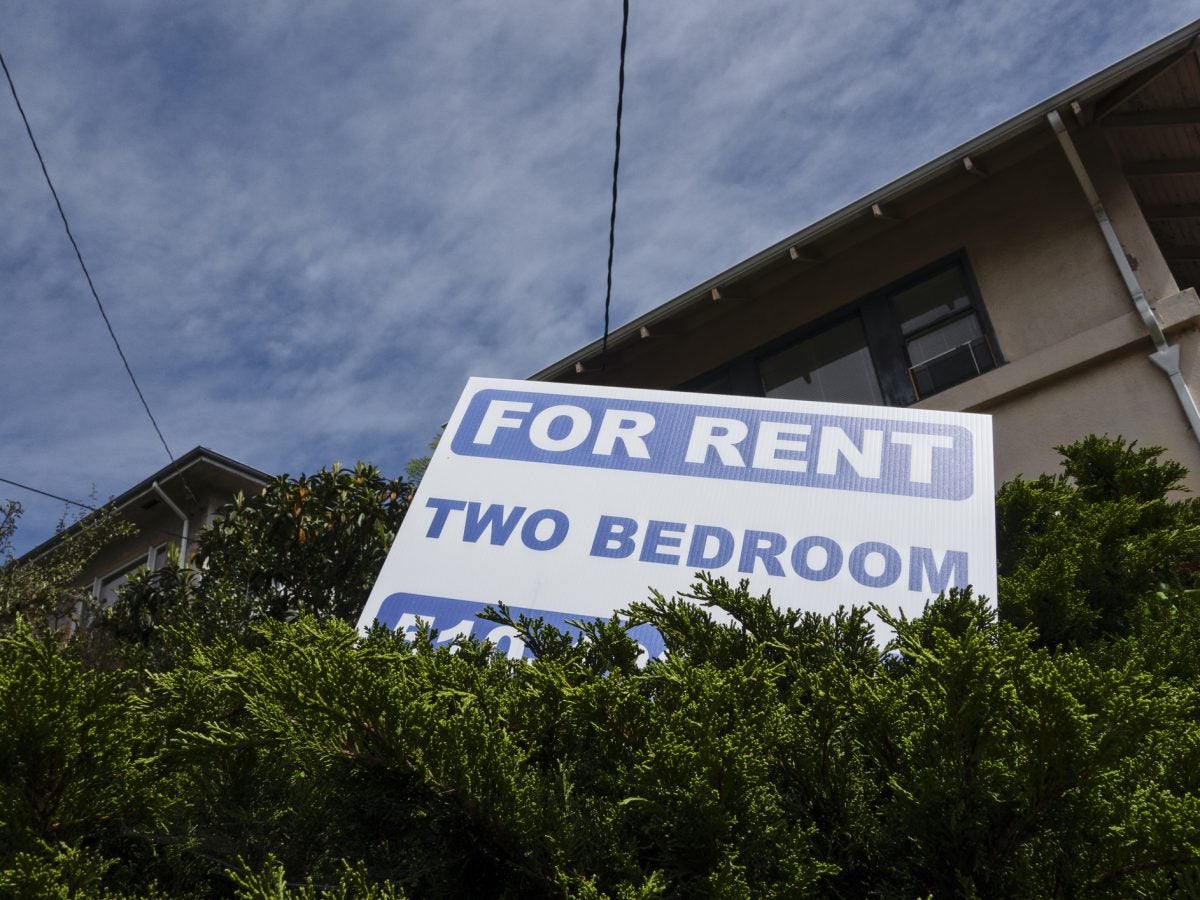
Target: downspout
[[1165, 356], [183, 535]]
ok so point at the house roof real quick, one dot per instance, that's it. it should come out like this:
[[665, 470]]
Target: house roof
[[1095, 96], [172, 478]]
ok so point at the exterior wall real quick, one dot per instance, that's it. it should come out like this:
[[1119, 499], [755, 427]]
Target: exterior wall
[[1042, 267], [1082, 376], [1125, 396], [1008, 225], [209, 484], [155, 527], [1119, 201], [1075, 351]]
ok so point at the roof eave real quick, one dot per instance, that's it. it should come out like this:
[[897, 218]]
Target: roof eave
[[126, 498], [1021, 124]]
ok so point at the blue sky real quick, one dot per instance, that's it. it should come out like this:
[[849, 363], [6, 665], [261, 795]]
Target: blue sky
[[312, 222]]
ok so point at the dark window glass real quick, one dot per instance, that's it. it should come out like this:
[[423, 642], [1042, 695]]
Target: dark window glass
[[110, 585], [932, 300], [943, 335], [834, 365], [952, 367], [894, 346], [720, 383]]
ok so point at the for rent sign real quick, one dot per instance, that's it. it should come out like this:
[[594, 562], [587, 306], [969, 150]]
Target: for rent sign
[[568, 502]]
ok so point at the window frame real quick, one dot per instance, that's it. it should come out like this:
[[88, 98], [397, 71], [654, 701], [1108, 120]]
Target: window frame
[[881, 326], [145, 561], [813, 330]]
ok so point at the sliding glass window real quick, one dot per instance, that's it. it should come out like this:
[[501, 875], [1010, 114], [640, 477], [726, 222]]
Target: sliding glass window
[[833, 365], [943, 335], [902, 343]]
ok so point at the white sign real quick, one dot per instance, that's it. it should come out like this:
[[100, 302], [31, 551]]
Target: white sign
[[569, 502]]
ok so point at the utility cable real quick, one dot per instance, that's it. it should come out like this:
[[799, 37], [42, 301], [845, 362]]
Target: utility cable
[[79, 256], [34, 490], [612, 219]]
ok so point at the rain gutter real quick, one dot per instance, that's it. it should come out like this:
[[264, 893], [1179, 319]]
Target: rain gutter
[[1165, 356], [183, 535]]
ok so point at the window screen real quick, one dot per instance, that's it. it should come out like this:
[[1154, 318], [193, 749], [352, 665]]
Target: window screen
[[943, 336]]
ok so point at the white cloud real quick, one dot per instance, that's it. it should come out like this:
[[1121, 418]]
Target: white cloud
[[310, 223]]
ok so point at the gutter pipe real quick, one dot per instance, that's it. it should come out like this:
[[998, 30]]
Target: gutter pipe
[[1166, 356], [183, 535]]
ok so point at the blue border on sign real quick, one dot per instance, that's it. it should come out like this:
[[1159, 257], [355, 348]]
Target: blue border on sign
[[951, 475], [449, 615]]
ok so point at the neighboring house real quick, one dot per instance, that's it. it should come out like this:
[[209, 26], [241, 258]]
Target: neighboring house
[[1044, 273], [170, 508]]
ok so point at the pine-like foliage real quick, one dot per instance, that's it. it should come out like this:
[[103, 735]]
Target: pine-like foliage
[[1081, 552], [45, 588], [772, 754], [309, 545]]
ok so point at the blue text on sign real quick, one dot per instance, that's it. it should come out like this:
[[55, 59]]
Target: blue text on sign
[[813, 557], [839, 452]]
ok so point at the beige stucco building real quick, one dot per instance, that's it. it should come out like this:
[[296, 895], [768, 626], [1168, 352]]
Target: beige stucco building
[[1044, 273], [169, 509]]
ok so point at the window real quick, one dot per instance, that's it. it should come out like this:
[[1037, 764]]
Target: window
[[833, 365], [943, 335], [717, 383], [108, 586], [907, 341]]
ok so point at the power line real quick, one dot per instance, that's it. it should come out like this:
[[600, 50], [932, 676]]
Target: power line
[[612, 219], [79, 256], [34, 490]]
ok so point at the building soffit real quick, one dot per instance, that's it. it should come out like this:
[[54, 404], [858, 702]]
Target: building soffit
[[201, 465], [1129, 87], [1153, 129]]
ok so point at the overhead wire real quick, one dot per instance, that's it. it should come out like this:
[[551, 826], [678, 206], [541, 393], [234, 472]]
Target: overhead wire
[[25, 487], [34, 490], [82, 265], [612, 219]]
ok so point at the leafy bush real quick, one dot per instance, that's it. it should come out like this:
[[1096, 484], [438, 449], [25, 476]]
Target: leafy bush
[[1079, 553], [1050, 750]]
